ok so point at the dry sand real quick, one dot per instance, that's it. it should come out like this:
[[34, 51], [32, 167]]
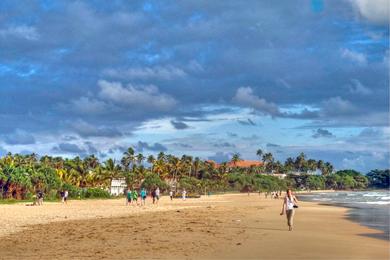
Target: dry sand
[[234, 226]]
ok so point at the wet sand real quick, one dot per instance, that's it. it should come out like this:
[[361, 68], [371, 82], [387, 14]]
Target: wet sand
[[234, 226]]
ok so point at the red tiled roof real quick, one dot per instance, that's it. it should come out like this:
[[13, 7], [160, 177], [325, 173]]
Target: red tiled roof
[[245, 164], [240, 164]]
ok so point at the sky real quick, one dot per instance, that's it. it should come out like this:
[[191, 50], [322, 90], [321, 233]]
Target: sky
[[202, 78]]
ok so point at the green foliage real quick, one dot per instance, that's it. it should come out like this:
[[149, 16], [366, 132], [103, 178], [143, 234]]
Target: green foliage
[[93, 193], [153, 181], [315, 182], [21, 176], [379, 179]]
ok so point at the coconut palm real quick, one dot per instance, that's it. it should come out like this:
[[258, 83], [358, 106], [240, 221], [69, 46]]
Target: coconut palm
[[235, 159]]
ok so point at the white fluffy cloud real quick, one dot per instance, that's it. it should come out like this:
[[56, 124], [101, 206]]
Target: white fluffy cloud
[[158, 72], [245, 96], [22, 31], [375, 11], [149, 96], [357, 57]]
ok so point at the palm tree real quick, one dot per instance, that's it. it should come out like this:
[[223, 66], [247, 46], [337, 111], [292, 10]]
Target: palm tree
[[268, 159], [259, 153], [128, 158], [151, 160], [140, 158], [300, 162], [235, 159]]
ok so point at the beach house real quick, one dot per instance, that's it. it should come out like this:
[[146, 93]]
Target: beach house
[[118, 186]]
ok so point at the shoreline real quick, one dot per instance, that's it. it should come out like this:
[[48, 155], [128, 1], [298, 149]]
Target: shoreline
[[221, 226], [357, 213]]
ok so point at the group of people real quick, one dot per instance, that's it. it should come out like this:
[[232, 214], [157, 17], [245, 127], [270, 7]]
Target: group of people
[[134, 197]]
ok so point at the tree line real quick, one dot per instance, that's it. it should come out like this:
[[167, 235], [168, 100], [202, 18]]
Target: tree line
[[21, 176]]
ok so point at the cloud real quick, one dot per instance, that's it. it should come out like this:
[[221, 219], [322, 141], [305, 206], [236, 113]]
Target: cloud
[[86, 105], [270, 145], [179, 125], [322, 133], [375, 11], [19, 137], [148, 96], [247, 122], [158, 72], [337, 106], [23, 31], [225, 145], [156, 147], [232, 135], [220, 157], [68, 148], [91, 148], [182, 145], [2, 151], [85, 129], [354, 56], [244, 96], [358, 88]]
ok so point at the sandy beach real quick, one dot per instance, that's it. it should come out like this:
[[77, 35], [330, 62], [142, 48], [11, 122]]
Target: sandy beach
[[233, 226]]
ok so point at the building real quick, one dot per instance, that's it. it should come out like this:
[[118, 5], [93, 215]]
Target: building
[[239, 164], [245, 164], [118, 186]]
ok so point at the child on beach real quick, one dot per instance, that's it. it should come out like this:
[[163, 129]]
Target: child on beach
[[40, 198], [171, 195], [129, 197], [62, 194], [143, 196], [66, 194], [184, 193], [157, 193], [289, 204], [154, 196], [135, 196]]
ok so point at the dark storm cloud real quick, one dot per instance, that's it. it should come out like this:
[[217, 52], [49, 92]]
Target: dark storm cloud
[[93, 69], [322, 133], [68, 148], [156, 147], [97, 42], [19, 137], [225, 145], [182, 145], [269, 145], [179, 125], [85, 129]]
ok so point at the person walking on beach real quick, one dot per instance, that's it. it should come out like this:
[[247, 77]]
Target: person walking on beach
[[128, 197], [157, 193], [143, 196], [171, 195], [184, 194], [154, 195], [135, 196], [289, 204], [62, 194], [66, 195], [40, 197]]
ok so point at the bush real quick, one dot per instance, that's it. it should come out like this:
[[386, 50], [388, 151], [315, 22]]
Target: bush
[[93, 193], [74, 192], [153, 181]]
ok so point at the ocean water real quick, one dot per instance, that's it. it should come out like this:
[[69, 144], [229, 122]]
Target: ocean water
[[370, 208]]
